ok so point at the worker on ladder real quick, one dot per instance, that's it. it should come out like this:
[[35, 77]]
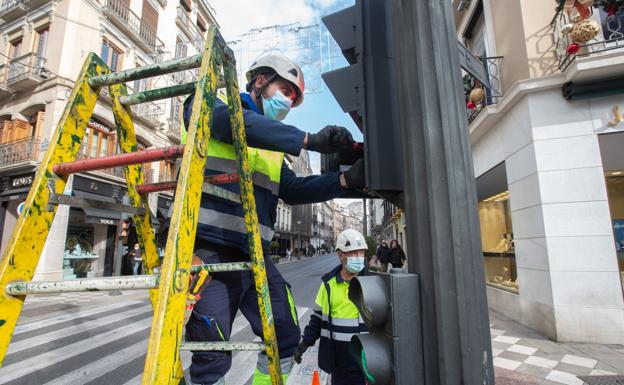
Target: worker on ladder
[[275, 85]]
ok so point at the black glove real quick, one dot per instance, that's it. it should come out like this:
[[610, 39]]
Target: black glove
[[303, 346], [330, 139], [354, 176]]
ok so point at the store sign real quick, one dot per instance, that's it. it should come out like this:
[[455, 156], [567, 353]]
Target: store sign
[[20, 208], [106, 221], [21, 181]]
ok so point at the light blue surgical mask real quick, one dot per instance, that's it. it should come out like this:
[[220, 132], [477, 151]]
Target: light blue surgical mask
[[277, 106], [355, 264]]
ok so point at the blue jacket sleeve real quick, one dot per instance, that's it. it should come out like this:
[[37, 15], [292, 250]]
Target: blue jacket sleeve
[[296, 190], [261, 132]]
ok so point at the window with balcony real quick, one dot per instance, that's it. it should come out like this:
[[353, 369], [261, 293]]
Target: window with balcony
[[167, 170], [201, 24], [19, 139], [99, 141], [149, 16], [186, 4], [111, 55]]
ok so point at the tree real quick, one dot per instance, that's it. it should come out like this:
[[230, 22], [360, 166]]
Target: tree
[[372, 246]]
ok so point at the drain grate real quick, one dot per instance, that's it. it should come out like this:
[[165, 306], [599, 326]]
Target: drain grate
[[603, 380]]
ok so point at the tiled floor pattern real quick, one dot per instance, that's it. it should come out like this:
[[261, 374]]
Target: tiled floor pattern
[[521, 350]]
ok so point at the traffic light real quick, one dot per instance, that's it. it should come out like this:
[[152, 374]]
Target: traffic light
[[391, 353], [365, 89]]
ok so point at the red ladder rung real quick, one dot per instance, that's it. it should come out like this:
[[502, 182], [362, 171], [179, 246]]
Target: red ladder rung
[[171, 185], [120, 160]]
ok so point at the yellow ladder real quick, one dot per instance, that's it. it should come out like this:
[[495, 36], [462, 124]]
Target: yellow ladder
[[168, 288]]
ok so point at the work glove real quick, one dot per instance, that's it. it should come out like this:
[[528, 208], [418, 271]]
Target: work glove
[[303, 346], [354, 176], [330, 139]]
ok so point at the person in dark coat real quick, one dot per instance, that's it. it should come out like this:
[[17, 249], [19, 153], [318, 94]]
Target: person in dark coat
[[397, 257], [383, 255]]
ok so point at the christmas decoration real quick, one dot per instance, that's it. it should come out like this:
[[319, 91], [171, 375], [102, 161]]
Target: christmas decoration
[[584, 30], [471, 105], [477, 95], [573, 48]]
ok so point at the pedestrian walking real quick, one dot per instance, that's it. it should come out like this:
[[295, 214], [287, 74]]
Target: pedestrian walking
[[397, 257], [335, 318], [137, 261], [384, 255]]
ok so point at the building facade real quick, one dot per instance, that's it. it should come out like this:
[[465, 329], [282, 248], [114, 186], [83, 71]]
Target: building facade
[[43, 46], [547, 135]]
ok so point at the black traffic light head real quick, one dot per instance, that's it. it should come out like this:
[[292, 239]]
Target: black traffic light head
[[389, 304], [365, 88]]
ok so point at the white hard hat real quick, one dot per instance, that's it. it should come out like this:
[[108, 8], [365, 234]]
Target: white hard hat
[[350, 240], [285, 68]]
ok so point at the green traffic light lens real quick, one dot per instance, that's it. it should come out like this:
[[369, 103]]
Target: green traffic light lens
[[369, 377]]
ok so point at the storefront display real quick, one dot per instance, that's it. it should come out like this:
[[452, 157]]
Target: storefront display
[[78, 256], [499, 256]]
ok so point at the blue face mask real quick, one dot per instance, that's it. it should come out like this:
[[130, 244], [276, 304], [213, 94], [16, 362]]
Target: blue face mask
[[276, 107], [355, 264]]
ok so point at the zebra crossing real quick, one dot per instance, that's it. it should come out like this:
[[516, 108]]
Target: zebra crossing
[[104, 341]]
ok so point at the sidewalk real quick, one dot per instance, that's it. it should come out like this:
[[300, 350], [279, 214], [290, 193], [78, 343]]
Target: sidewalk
[[522, 356]]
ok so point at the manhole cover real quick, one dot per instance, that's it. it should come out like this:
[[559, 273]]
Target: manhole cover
[[603, 380]]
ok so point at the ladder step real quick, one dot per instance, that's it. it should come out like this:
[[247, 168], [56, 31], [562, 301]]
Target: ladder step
[[61, 199], [119, 160], [163, 68], [222, 346], [158, 94], [136, 282], [171, 185], [221, 267]]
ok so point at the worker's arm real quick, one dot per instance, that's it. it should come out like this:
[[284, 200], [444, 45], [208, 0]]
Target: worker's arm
[[312, 332], [261, 132], [296, 190]]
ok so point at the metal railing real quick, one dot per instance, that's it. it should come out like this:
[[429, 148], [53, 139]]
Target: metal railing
[[151, 111], [494, 92], [29, 64], [610, 37], [21, 150], [121, 10]]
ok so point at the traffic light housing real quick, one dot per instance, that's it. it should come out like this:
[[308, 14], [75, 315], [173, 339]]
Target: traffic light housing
[[391, 353], [365, 90]]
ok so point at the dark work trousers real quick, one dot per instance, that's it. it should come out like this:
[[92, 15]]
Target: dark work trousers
[[214, 314], [341, 376]]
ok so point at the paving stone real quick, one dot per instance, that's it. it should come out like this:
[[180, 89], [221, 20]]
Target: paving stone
[[522, 349], [564, 378], [580, 361], [541, 362], [513, 356], [508, 377], [506, 339], [500, 345], [535, 371], [506, 363], [573, 369]]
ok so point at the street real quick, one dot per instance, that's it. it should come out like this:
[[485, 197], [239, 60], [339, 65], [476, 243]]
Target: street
[[96, 338]]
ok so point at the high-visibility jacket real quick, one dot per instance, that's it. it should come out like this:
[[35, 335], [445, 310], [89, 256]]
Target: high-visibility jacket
[[221, 221], [335, 320]]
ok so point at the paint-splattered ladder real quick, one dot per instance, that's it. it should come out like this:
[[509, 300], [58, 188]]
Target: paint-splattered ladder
[[168, 287]]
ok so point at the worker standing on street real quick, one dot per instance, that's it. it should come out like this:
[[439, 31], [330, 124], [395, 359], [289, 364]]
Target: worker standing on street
[[335, 318], [275, 85]]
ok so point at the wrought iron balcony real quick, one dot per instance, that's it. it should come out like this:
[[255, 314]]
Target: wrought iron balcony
[[186, 25], [4, 89], [26, 71], [493, 92], [12, 9], [610, 39], [21, 150], [119, 12]]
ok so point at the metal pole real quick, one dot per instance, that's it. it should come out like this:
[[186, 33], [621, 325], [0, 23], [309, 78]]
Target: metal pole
[[118, 160], [440, 195], [365, 232], [171, 185]]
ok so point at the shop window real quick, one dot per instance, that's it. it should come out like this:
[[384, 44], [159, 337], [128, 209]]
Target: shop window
[[79, 256], [111, 55], [499, 258], [615, 191]]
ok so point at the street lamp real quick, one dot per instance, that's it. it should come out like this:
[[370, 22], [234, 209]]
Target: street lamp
[[299, 236]]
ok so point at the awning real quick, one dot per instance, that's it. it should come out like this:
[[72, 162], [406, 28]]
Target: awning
[[98, 216]]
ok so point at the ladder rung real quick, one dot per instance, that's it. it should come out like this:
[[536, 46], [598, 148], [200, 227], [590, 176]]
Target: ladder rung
[[119, 160], [147, 71], [137, 282], [222, 346], [171, 185], [158, 94], [221, 267], [74, 201]]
